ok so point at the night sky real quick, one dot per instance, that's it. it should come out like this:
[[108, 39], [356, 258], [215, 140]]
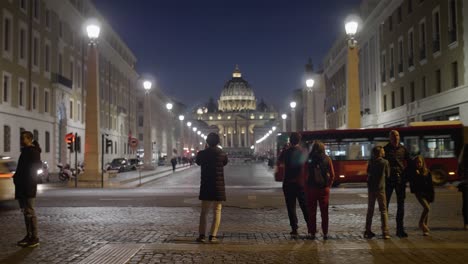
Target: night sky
[[192, 46]]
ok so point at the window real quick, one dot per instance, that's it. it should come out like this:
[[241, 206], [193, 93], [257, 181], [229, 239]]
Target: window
[[78, 110], [21, 131], [47, 18], [140, 137], [35, 51], [393, 99], [34, 97], [390, 23], [412, 92], [21, 92], [438, 80], [454, 74], [411, 48], [140, 121], [422, 40], [385, 103], [410, 6], [36, 9], [402, 95], [400, 55], [423, 86], [399, 14], [6, 139], [71, 109], [22, 44], [384, 68], [7, 37], [6, 87], [47, 142], [78, 76], [392, 62], [60, 65], [435, 31], [23, 5], [72, 68], [47, 57], [452, 21], [46, 101]]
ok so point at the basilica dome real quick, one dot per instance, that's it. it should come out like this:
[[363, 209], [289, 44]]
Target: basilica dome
[[237, 95]]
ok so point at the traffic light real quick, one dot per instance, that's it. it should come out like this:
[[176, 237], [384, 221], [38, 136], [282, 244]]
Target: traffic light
[[78, 144], [70, 139], [108, 145]]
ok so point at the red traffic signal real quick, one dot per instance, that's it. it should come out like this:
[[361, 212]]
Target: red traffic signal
[[70, 139]]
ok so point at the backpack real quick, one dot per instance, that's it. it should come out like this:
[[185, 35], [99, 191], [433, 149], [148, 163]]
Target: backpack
[[319, 175]]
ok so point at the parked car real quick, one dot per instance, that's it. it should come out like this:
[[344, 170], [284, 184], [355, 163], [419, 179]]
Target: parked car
[[135, 163], [7, 187], [120, 164]]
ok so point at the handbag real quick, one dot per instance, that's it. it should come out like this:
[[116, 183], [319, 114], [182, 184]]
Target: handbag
[[279, 172]]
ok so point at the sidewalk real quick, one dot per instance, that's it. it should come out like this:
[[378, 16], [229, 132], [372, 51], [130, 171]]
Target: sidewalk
[[141, 177]]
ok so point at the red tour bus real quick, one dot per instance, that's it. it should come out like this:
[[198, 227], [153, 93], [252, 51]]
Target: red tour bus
[[439, 142]]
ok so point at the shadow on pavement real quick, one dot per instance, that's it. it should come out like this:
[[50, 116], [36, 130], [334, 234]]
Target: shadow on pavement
[[18, 257]]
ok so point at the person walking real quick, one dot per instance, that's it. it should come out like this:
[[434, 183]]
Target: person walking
[[173, 163], [421, 185], [378, 171], [25, 180], [398, 157], [320, 178], [212, 190], [293, 159]]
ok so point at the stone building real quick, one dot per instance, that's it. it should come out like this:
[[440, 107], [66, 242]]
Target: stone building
[[238, 118], [43, 78]]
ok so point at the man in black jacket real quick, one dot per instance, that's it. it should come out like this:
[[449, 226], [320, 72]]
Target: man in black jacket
[[25, 180], [398, 157], [212, 190], [294, 159]]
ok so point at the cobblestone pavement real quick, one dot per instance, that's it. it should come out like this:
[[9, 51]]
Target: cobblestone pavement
[[254, 229]]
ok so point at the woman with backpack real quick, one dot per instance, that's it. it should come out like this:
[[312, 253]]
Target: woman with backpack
[[320, 175]]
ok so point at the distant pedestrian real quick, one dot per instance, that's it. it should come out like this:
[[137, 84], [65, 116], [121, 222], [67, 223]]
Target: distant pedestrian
[[174, 163], [212, 190], [398, 157], [320, 178], [25, 180], [463, 185], [293, 159], [422, 187], [378, 171]]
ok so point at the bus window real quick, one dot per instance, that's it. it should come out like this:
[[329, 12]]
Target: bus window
[[443, 147], [412, 144], [348, 150]]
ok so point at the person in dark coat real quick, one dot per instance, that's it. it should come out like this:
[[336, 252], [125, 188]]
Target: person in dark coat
[[212, 190], [422, 187], [25, 180], [463, 185], [294, 159], [398, 157], [378, 171], [173, 163]]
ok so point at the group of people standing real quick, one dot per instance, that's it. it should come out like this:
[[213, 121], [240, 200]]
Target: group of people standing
[[309, 176]]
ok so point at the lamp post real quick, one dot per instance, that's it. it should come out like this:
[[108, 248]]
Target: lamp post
[[353, 104], [148, 148], [92, 176], [170, 150], [181, 141], [310, 94], [284, 116], [293, 116]]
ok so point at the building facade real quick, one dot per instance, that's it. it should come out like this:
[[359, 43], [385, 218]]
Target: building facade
[[238, 118], [43, 71], [412, 64]]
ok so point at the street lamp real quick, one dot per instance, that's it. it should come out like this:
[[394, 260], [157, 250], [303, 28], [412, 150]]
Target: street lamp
[[169, 106], [353, 103], [189, 124], [310, 83], [293, 115], [94, 166], [181, 143], [148, 148], [194, 129], [284, 116]]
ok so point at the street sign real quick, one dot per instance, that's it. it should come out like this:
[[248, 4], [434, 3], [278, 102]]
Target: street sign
[[134, 143]]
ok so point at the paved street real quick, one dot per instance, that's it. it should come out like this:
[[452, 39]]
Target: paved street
[[158, 223]]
